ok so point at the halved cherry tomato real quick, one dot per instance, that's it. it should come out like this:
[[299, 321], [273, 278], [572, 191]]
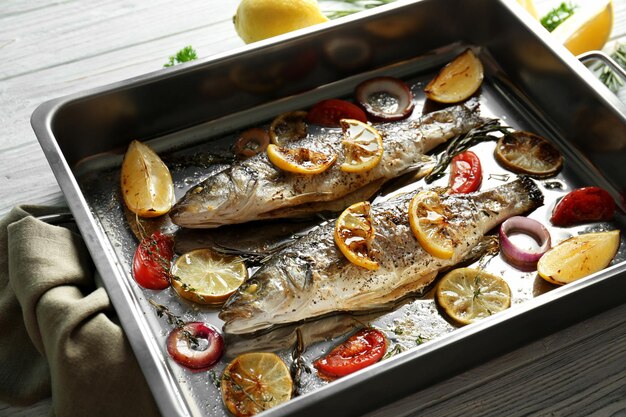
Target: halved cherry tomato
[[152, 261], [330, 112], [467, 173], [588, 204], [364, 348]]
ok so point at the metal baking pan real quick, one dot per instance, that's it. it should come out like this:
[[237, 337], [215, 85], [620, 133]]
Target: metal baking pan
[[531, 84]]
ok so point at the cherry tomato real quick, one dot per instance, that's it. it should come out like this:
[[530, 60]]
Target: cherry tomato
[[195, 345], [152, 261], [330, 112], [365, 347], [589, 204], [466, 173]]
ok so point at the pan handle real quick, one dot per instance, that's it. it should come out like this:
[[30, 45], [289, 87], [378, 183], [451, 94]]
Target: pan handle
[[606, 59]]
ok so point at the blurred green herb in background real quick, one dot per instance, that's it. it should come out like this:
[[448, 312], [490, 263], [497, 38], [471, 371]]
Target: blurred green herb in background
[[557, 16], [607, 75], [184, 55]]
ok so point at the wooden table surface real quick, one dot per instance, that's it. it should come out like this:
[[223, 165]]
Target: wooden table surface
[[51, 48]]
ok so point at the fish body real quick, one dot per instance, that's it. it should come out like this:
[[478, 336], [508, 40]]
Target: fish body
[[312, 278], [254, 189]]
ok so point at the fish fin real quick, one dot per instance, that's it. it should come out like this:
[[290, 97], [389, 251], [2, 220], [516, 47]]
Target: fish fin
[[416, 287], [333, 206]]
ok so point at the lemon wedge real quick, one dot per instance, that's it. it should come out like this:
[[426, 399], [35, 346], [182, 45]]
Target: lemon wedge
[[255, 382], [147, 186], [588, 28], [458, 80], [578, 257], [468, 294], [261, 19]]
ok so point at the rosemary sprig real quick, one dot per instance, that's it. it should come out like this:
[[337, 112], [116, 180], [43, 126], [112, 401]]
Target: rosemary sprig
[[357, 6], [607, 75], [557, 15], [463, 142], [176, 321]]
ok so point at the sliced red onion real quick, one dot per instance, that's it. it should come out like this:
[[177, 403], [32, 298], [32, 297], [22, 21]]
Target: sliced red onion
[[195, 345], [523, 258], [385, 98]]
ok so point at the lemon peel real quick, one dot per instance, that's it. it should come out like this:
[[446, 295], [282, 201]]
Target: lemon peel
[[256, 20]]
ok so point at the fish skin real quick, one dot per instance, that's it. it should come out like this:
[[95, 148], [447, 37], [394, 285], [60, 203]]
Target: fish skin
[[312, 278], [254, 189]]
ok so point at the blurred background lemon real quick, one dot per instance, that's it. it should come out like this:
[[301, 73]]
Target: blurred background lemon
[[589, 28], [260, 19]]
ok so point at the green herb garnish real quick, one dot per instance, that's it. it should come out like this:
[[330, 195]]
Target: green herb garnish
[[462, 143], [557, 16], [607, 75], [176, 321], [184, 55]]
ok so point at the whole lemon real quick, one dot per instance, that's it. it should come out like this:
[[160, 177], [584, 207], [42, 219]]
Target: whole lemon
[[261, 19]]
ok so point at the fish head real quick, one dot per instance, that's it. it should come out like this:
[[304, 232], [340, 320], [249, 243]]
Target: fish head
[[220, 199], [276, 293]]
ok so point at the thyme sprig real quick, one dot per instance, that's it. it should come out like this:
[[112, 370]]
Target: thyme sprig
[[173, 319], [237, 387], [463, 142]]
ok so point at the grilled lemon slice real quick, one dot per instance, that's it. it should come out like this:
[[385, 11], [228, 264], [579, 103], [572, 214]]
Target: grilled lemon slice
[[207, 277], [300, 160], [255, 382], [429, 224], [362, 144], [527, 153], [354, 233], [468, 294], [288, 127]]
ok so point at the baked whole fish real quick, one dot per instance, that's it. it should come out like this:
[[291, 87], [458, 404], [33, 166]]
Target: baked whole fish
[[254, 189], [312, 278]]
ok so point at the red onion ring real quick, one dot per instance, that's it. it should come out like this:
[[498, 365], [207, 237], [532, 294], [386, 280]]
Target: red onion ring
[[204, 355], [385, 85], [522, 258]]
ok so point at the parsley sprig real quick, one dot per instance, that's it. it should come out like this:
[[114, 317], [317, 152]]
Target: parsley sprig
[[557, 15], [184, 55]]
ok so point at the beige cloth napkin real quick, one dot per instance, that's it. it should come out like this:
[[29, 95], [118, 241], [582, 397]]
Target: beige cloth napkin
[[58, 336]]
